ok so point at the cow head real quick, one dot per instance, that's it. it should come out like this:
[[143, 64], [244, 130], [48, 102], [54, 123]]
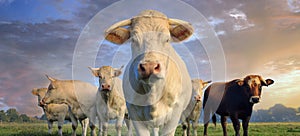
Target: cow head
[[254, 84], [54, 93], [40, 93], [151, 33], [106, 75], [198, 86]]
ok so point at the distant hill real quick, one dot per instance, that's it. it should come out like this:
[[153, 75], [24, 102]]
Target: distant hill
[[277, 113]]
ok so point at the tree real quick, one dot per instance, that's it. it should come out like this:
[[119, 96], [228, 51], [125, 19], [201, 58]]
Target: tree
[[3, 117], [24, 118], [12, 115]]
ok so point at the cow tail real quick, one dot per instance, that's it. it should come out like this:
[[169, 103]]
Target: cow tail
[[214, 119]]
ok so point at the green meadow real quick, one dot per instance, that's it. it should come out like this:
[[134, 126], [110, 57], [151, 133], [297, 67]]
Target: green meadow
[[255, 129]]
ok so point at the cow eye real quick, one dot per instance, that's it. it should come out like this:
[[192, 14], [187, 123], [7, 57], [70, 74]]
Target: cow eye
[[260, 87], [100, 77], [168, 40]]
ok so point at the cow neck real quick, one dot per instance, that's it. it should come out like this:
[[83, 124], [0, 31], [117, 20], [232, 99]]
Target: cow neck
[[107, 95]]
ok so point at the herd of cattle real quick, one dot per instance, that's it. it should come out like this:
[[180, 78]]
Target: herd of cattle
[[156, 92]]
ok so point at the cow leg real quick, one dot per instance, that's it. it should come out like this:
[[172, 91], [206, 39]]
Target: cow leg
[[50, 125], [195, 126], [74, 123], [92, 114], [100, 127], [188, 127], [245, 125], [128, 125], [84, 123], [105, 127], [205, 129], [224, 123], [140, 129], [92, 127], [184, 128], [74, 127], [60, 123], [155, 131], [236, 124], [206, 122], [119, 125]]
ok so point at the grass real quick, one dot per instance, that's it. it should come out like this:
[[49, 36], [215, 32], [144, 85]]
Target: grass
[[255, 129]]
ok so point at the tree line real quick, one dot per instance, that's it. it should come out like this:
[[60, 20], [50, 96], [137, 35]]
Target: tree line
[[12, 115], [277, 113]]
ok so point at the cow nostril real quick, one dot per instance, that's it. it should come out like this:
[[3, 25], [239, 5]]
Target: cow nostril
[[108, 86], [157, 67], [142, 68], [102, 86]]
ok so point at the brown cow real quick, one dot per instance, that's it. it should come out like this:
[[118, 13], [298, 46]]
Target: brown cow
[[237, 101]]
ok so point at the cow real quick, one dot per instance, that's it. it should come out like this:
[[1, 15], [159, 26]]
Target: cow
[[156, 83], [78, 95], [56, 112], [196, 102], [237, 101], [110, 101]]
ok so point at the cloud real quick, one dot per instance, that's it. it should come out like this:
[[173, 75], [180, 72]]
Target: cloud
[[286, 23], [285, 90], [213, 21], [282, 66], [294, 5], [240, 20], [28, 51]]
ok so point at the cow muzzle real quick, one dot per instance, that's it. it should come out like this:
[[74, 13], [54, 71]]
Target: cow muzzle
[[105, 87], [254, 99], [197, 98], [145, 70]]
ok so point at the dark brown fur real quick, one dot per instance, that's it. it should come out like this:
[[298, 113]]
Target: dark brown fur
[[234, 102]]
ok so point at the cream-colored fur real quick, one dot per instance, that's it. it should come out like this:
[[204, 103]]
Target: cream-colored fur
[[110, 102], [79, 96], [159, 100]]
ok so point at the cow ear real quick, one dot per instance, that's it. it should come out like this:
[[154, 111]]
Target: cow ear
[[240, 82], [34, 91], [118, 35], [269, 82], [181, 30], [51, 78], [205, 83], [94, 71], [118, 72]]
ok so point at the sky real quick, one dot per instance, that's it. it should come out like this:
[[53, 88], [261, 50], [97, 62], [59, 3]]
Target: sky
[[41, 37]]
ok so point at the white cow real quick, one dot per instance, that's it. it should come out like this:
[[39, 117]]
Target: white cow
[[157, 86], [79, 96], [110, 101], [57, 112], [196, 104]]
